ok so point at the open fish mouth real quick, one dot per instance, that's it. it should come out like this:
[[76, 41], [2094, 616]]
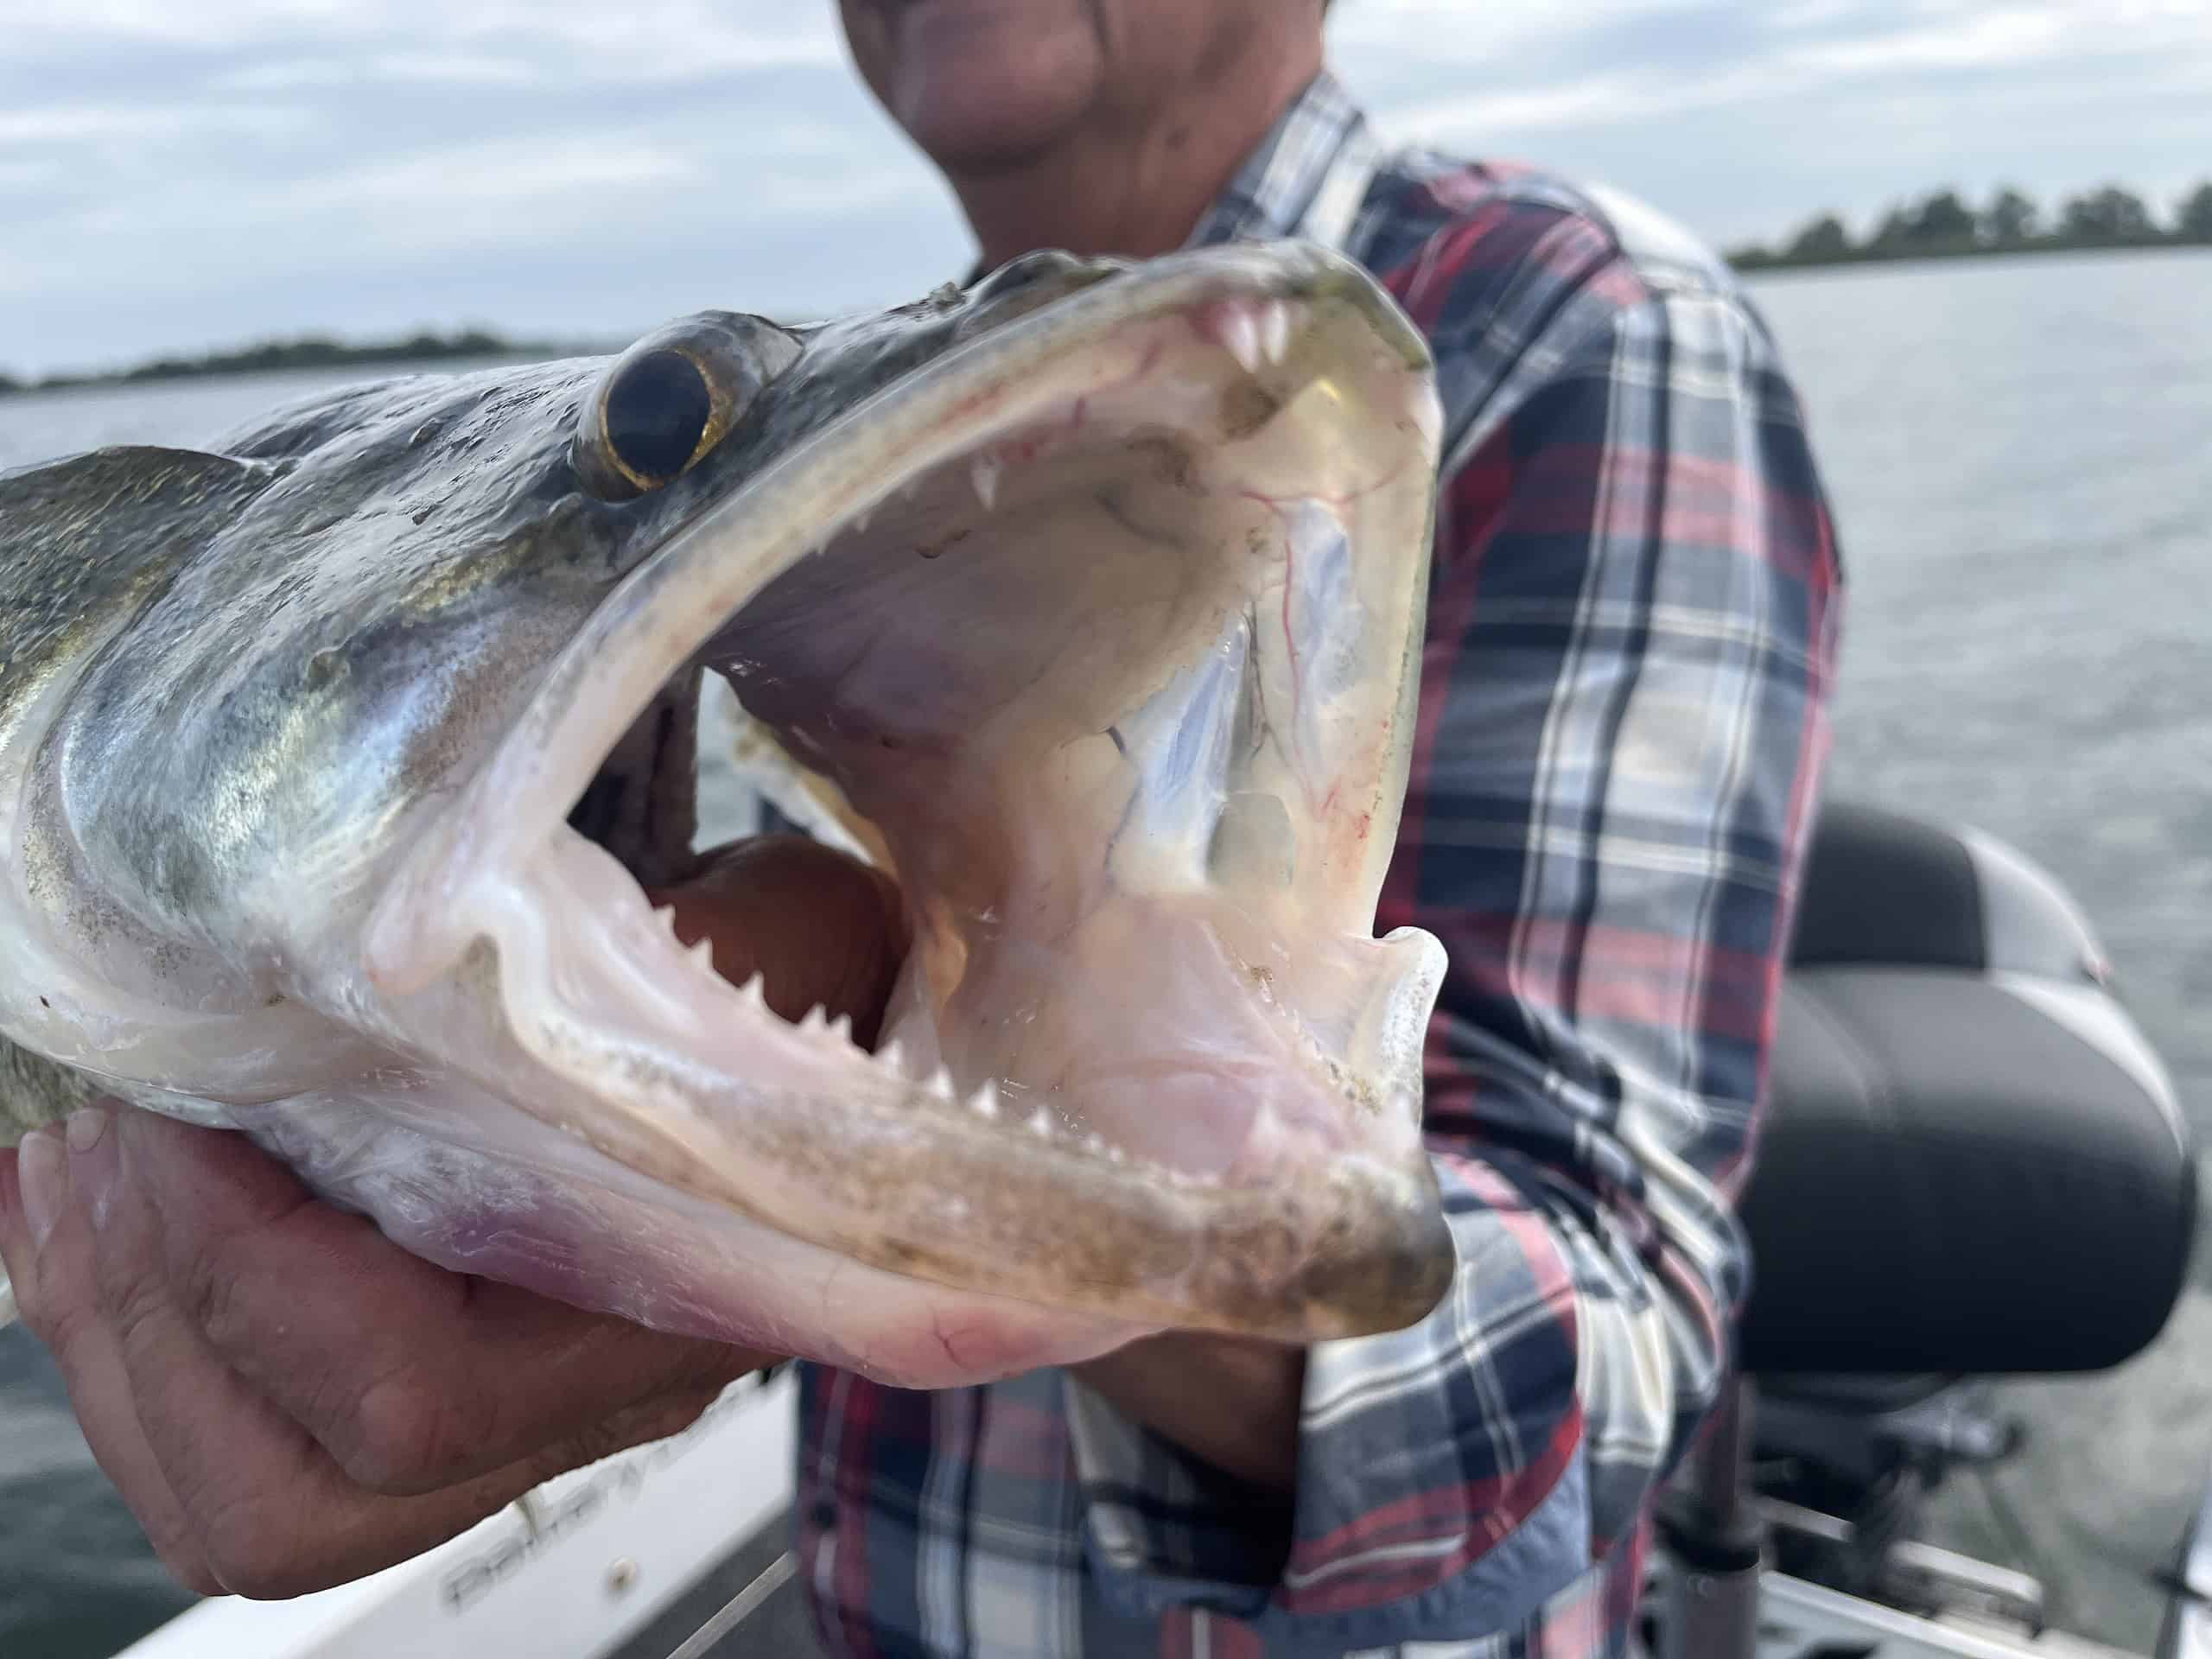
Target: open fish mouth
[[1103, 627]]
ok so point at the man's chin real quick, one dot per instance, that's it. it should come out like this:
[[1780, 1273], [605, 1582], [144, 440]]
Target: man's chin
[[997, 96], [970, 153]]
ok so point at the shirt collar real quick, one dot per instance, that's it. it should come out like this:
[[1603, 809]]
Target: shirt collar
[[1307, 178]]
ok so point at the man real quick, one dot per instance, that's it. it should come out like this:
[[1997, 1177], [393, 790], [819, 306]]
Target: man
[[1628, 663]]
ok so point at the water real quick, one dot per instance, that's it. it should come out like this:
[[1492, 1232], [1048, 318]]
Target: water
[[2021, 457]]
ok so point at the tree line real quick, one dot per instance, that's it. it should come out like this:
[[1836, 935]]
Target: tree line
[[313, 351], [1943, 223]]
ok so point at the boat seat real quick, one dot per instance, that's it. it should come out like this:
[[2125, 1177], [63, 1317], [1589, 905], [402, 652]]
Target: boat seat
[[1972, 1161]]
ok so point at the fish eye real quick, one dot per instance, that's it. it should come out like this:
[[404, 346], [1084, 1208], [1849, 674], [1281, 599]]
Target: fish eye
[[656, 412], [671, 398]]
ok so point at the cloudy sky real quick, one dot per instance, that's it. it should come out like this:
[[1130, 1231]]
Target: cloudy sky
[[179, 174]]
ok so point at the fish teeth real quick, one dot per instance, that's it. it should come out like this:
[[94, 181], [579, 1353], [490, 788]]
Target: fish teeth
[[940, 1083], [755, 991], [665, 914], [1095, 1144], [986, 1100], [815, 1019], [1275, 330], [702, 952], [891, 1057], [1241, 334], [1040, 1123], [841, 1027], [983, 473]]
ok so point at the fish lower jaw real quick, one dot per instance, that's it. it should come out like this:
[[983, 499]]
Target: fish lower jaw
[[631, 1043], [597, 983]]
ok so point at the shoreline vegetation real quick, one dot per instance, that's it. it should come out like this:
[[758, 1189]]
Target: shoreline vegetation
[[1943, 224], [308, 352], [1940, 225]]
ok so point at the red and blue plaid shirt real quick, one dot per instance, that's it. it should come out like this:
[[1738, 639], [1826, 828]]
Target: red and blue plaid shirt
[[1630, 652]]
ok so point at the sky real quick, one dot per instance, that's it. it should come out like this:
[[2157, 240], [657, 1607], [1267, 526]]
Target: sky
[[180, 175]]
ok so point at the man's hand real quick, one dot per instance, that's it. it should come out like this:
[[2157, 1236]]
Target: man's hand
[[288, 1401], [285, 1399]]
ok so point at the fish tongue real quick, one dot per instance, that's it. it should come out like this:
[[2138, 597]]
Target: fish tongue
[[820, 927]]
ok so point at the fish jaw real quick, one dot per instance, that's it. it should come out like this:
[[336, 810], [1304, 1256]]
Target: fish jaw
[[463, 1178], [1146, 1064]]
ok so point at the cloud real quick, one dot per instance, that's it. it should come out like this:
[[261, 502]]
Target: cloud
[[175, 176], [1657, 60], [1747, 118]]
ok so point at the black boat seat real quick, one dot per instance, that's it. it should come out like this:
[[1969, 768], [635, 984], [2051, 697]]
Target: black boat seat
[[1972, 1161]]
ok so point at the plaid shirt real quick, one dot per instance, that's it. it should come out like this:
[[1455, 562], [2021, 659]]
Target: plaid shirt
[[1629, 650]]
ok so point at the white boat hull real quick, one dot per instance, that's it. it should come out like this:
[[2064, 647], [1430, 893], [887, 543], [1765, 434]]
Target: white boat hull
[[581, 1567]]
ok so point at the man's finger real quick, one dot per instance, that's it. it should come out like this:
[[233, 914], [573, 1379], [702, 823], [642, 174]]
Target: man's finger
[[413, 1379], [17, 1254], [54, 1287], [270, 1512], [266, 1512]]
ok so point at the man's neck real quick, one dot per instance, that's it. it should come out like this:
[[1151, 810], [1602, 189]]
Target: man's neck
[[1137, 185]]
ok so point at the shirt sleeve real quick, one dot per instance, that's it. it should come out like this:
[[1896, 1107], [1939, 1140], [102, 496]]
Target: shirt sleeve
[[1623, 716]]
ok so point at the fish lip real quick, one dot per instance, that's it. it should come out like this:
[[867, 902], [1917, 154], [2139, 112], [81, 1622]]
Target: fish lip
[[477, 848]]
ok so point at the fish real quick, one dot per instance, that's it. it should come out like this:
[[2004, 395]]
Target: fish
[[342, 763]]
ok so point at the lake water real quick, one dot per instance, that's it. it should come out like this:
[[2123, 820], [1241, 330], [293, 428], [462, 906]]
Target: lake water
[[2021, 457]]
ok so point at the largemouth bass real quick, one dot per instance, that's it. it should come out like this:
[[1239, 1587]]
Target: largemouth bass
[[336, 761]]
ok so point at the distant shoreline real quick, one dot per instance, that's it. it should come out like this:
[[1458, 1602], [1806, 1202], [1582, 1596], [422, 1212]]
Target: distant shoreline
[[1752, 261], [312, 351], [320, 352], [1943, 224]]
